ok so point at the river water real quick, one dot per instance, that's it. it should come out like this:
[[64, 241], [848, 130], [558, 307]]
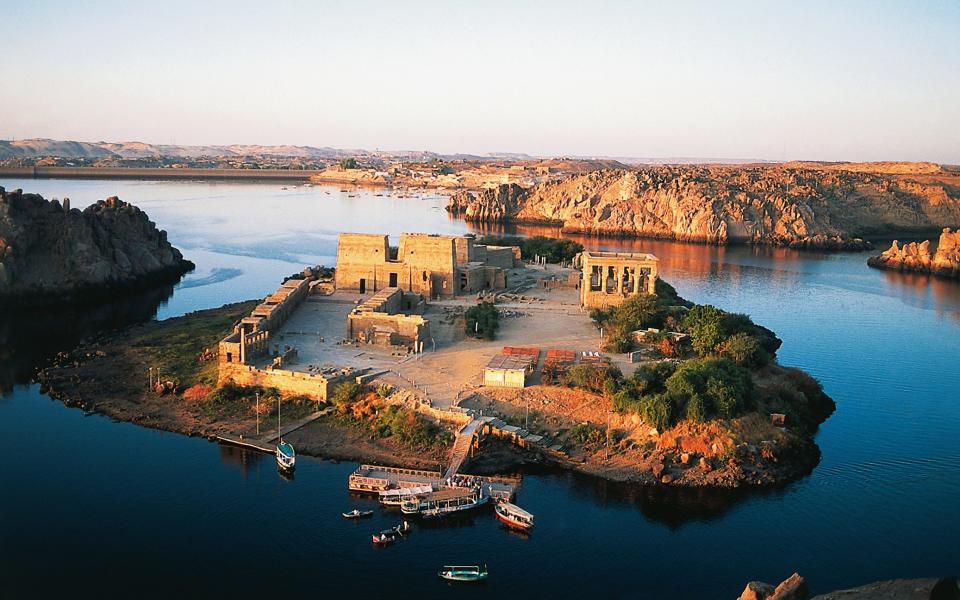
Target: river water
[[89, 506]]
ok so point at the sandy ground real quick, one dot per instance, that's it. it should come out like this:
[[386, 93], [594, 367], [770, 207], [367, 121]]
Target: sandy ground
[[452, 363]]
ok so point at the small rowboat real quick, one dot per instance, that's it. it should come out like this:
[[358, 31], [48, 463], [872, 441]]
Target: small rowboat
[[463, 573], [357, 514], [384, 538], [513, 516], [403, 528]]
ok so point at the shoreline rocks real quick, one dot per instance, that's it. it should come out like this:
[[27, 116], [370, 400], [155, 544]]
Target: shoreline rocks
[[798, 207], [917, 257], [52, 253], [795, 588]]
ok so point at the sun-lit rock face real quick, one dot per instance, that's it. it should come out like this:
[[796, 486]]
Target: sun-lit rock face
[[49, 251], [780, 205], [919, 257]]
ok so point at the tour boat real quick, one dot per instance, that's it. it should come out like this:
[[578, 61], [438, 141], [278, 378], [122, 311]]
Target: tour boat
[[357, 514], [463, 573], [445, 501], [513, 516]]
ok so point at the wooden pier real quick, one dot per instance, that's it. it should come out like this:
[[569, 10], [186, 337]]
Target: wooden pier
[[267, 443]]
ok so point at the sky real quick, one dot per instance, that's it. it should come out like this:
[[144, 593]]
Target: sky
[[776, 80]]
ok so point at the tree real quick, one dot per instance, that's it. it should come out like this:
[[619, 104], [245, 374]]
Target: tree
[[744, 349], [349, 163], [482, 320], [715, 386], [704, 323]]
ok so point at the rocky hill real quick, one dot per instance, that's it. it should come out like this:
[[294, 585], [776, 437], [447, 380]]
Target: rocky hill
[[945, 262], [780, 205], [50, 252]]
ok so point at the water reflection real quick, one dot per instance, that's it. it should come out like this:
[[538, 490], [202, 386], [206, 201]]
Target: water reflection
[[30, 337]]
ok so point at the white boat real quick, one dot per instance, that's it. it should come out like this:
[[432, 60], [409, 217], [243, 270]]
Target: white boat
[[286, 455], [398, 496], [514, 516], [443, 502]]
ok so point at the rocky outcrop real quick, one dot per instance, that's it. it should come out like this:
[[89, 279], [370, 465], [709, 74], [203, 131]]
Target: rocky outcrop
[[945, 262], [778, 205], [795, 588], [50, 252]]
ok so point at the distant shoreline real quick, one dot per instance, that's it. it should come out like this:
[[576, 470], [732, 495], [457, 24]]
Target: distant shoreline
[[156, 173]]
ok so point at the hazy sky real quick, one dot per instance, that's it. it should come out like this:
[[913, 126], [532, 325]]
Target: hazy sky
[[817, 80]]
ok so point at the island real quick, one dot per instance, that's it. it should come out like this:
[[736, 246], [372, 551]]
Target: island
[[918, 258], [469, 357], [52, 253]]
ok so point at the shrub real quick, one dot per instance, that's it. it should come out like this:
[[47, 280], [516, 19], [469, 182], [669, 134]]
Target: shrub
[[591, 377], [697, 409], [649, 379], [717, 385], [586, 434], [657, 411], [409, 428], [482, 320], [345, 394], [704, 323], [744, 349], [348, 163], [384, 390]]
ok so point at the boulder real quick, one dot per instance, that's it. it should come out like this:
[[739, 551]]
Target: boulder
[[756, 590], [791, 588]]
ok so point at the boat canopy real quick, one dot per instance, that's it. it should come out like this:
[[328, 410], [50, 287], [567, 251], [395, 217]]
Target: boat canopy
[[412, 491], [516, 510]]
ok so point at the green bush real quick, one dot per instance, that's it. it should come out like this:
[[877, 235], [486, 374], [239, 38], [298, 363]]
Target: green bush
[[717, 385], [650, 378], [704, 323], [482, 320], [657, 410], [348, 163], [346, 393], [592, 377], [744, 349], [409, 428]]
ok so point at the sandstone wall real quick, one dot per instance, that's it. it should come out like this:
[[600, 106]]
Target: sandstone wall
[[290, 383]]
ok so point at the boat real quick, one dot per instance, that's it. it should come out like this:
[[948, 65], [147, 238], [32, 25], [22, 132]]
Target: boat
[[513, 516], [445, 501], [403, 528], [357, 514], [384, 537], [286, 455], [432, 513], [463, 573], [398, 496]]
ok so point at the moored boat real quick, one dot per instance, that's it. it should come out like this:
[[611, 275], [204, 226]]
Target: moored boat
[[357, 514], [445, 501], [464, 573], [513, 516], [286, 456], [403, 528]]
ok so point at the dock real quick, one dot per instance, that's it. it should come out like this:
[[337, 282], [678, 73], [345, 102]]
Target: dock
[[267, 443], [376, 478]]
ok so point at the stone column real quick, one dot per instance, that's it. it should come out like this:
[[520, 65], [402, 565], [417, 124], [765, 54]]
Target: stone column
[[620, 280]]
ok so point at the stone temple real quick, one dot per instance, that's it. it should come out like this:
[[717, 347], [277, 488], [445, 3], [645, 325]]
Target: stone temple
[[608, 278]]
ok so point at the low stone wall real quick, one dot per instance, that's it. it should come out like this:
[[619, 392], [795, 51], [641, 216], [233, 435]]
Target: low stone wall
[[290, 383]]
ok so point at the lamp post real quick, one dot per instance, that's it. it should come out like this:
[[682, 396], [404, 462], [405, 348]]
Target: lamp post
[[258, 414]]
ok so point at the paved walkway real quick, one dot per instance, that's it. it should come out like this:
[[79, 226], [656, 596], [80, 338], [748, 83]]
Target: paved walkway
[[264, 443]]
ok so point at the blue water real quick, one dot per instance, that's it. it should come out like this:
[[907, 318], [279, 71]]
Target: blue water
[[89, 506]]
